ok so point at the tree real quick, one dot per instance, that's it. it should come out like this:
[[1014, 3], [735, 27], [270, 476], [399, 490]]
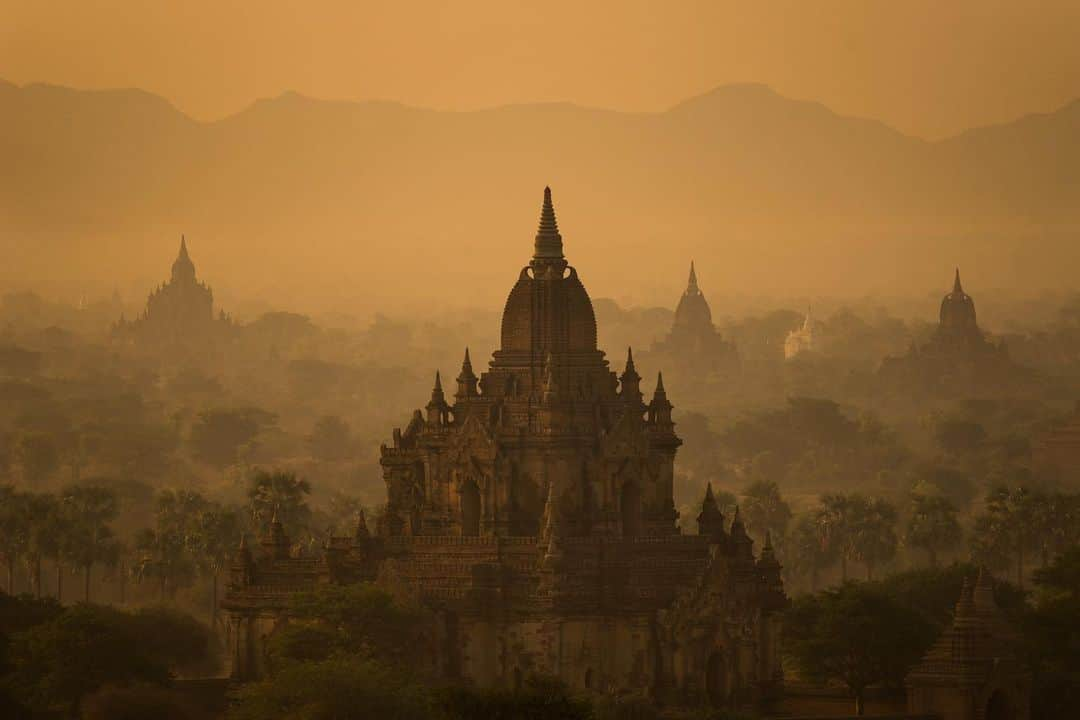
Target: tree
[[807, 550], [765, 510], [165, 548], [58, 662], [1055, 523], [933, 526], [875, 534], [958, 436], [283, 493], [837, 518], [38, 456], [13, 531], [330, 439], [1053, 637], [88, 509], [343, 687], [138, 702], [539, 698], [343, 510], [365, 619], [217, 435], [857, 635], [212, 541], [1006, 530], [43, 529]]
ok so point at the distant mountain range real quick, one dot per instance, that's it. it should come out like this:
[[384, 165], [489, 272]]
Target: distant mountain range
[[375, 202]]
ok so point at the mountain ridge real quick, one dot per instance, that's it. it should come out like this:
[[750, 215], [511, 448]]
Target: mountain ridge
[[771, 193]]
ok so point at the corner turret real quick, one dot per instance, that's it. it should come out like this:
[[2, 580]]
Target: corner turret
[[466, 380]]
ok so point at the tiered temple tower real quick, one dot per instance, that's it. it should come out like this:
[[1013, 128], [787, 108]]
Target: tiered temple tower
[[957, 359], [533, 512], [179, 313], [694, 347], [548, 419], [975, 670]]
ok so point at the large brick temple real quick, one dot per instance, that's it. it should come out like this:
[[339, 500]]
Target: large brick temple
[[532, 510]]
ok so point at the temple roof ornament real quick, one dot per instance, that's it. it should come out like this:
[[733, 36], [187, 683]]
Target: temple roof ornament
[[548, 240]]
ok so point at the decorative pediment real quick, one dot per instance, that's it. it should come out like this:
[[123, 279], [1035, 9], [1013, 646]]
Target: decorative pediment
[[627, 438], [471, 443]]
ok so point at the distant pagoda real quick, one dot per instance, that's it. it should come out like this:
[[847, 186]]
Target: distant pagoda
[[694, 349], [179, 313]]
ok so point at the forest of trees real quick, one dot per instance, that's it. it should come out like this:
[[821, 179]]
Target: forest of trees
[[127, 481]]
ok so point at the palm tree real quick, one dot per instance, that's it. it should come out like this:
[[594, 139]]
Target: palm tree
[[280, 492], [42, 520], [89, 509], [165, 549], [212, 543], [933, 525], [13, 531], [837, 518], [807, 550], [765, 510], [1007, 528], [875, 534]]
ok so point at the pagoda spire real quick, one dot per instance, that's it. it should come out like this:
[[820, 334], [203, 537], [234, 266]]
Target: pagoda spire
[[691, 285], [361, 532], [548, 244], [660, 407], [710, 519], [956, 288], [437, 407], [630, 369], [466, 380], [183, 269], [630, 387]]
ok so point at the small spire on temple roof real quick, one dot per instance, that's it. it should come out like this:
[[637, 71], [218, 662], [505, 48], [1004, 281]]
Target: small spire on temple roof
[[691, 285], [548, 244], [956, 288], [630, 369]]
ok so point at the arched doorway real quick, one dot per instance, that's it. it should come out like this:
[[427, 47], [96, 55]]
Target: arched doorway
[[630, 504], [470, 508], [716, 679], [998, 707]]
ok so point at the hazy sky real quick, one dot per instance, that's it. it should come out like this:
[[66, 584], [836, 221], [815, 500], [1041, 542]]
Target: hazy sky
[[927, 67]]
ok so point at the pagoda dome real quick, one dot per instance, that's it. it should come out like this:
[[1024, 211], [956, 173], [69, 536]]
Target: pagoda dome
[[957, 309], [548, 309], [693, 309], [183, 270]]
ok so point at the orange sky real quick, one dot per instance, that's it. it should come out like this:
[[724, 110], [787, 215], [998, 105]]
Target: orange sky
[[924, 66]]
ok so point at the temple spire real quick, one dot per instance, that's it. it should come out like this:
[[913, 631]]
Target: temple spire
[[183, 269], [361, 532], [548, 244], [466, 380], [691, 285], [437, 407], [956, 283], [629, 381], [630, 370]]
